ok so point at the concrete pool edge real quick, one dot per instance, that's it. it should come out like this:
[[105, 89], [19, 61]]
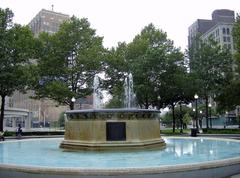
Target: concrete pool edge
[[230, 166], [123, 171]]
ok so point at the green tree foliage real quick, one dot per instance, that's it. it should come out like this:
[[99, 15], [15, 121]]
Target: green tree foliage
[[181, 113], [17, 47], [115, 69], [211, 67], [236, 40], [229, 97], [186, 119], [61, 120], [158, 70], [68, 61], [151, 56]]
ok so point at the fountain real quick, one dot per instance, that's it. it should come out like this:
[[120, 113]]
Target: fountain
[[129, 96], [117, 133], [96, 93], [100, 129]]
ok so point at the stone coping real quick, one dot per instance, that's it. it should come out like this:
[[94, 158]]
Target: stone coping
[[112, 110], [116, 114], [126, 171], [112, 145], [122, 171]]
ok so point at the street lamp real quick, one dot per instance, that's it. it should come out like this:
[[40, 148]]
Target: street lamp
[[159, 98], [73, 100], [194, 125], [226, 120], [210, 106], [196, 98], [200, 119], [181, 117]]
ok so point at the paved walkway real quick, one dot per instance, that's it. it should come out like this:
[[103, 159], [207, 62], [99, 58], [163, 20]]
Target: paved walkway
[[232, 136], [235, 176], [34, 136]]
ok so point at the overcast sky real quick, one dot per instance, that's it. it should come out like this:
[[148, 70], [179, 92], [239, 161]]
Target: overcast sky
[[121, 20]]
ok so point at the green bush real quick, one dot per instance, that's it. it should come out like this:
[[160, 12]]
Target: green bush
[[221, 131], [170, 132], [7, 133]]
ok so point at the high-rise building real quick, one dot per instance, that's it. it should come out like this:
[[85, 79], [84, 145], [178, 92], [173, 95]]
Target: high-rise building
[[42, 110], [47, 21], [219, 28]]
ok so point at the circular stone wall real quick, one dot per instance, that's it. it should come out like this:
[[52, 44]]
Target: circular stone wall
[[112, 128]]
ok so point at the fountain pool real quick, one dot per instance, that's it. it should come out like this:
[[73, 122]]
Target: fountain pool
[[182, 157]]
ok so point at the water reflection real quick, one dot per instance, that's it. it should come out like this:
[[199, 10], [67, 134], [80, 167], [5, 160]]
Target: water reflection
[[178, 151]]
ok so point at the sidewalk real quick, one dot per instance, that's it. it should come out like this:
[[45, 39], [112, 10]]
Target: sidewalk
[[232, 136], [33, 136], [234, 176]]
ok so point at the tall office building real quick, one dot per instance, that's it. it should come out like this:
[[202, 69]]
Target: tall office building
[[219, 28], [47, 21], [42, 110]]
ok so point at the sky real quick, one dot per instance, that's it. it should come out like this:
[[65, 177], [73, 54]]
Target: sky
[[121, 20]]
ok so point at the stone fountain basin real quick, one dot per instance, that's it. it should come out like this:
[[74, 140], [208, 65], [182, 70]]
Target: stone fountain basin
[[219, 168], [116, 113], [101, 129]]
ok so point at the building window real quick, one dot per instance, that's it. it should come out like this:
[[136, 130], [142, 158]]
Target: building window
[[228, 39], [229, 46], [217, 32], [228, 31], [234, 46], [224, 39], [224, 31]]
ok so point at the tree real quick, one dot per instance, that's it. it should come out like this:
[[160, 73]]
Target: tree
[[186, 119], [61, 120], [211, 67], [156, 66], [68, 61], [116, 68], [236, 40], [151, 55], [229, 97], [16, 50]]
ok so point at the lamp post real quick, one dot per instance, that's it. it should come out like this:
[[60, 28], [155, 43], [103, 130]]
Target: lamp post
[[181, 118], [159, 98], [200, 121], [210, 106], [73, 100], [196, 98], [194, 125], [226, 121]]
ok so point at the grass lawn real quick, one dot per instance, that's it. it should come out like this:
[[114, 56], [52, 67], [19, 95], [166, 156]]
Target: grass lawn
[[170, 131]]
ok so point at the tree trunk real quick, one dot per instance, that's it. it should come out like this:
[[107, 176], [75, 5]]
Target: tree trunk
[[181, 119], [71, 105], [146, 104], [2, 112], [238, 117], [174, 121], [206, 108]]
